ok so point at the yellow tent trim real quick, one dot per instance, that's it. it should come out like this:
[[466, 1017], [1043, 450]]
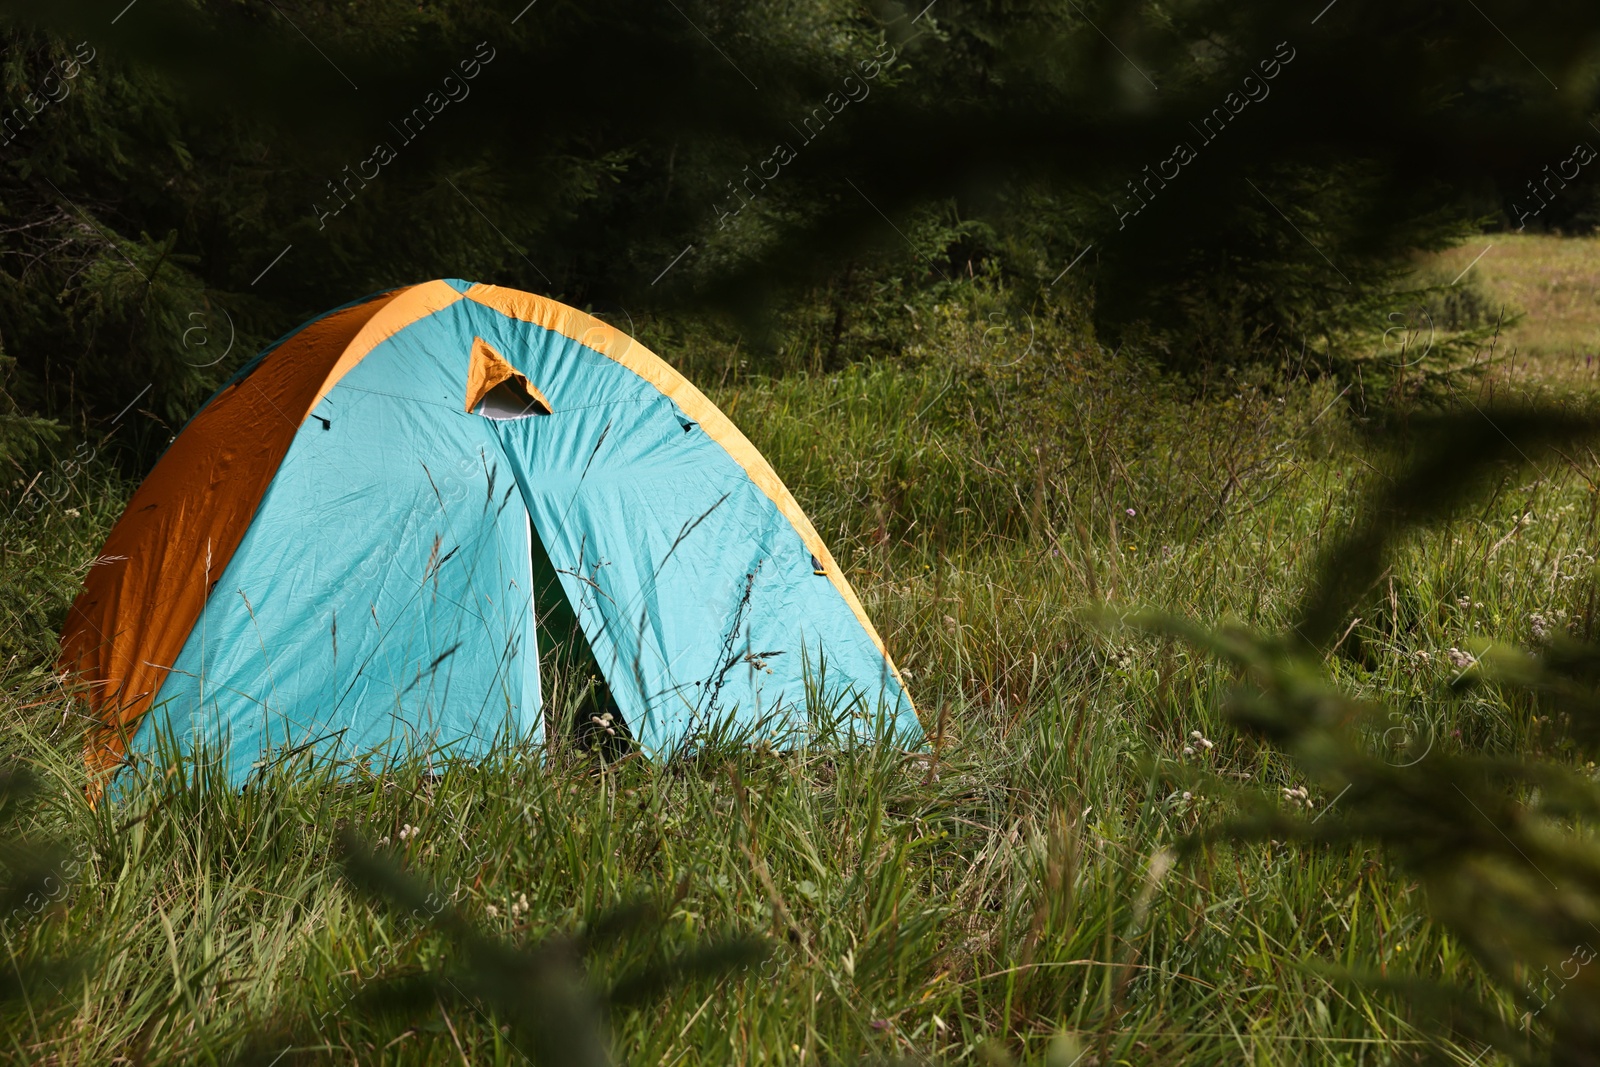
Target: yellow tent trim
[[411, 305], [616, 345]]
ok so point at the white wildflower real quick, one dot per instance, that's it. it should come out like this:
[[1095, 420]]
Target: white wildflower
[[1299, 796], [1459, 659]]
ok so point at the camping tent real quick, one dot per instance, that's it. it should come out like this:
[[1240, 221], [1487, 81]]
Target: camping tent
[[362, 543]]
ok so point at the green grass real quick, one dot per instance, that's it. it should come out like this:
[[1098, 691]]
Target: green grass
[[1017, 887], [1551, 283]]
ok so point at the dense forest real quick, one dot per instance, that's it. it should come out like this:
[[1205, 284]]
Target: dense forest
[[184, 181], [1199, 395]]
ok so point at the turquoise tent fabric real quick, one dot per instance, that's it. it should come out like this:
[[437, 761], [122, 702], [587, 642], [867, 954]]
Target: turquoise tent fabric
[[381, 603]]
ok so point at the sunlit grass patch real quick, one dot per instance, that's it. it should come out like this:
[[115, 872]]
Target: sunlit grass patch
[[1553, 283]]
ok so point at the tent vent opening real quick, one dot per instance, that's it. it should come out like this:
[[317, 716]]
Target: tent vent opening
[[497, 390], [512, 400]]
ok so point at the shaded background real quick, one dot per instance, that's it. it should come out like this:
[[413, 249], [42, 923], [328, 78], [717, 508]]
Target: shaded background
[[166, 206]]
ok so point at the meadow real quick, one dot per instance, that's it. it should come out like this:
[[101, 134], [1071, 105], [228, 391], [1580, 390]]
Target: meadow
[[1003, 500], [1547, 285]]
